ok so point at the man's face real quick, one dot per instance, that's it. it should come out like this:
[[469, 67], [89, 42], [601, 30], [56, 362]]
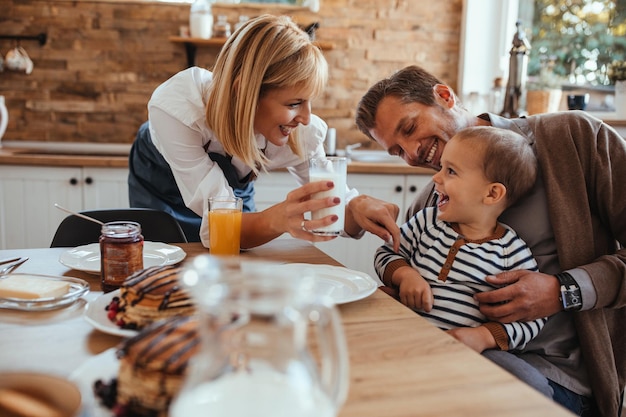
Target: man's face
[[414, 131]]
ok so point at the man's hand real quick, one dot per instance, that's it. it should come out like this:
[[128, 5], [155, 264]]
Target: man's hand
[[375, 216], [524, 296]]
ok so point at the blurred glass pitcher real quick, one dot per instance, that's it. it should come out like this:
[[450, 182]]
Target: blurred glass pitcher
[[269, 346]]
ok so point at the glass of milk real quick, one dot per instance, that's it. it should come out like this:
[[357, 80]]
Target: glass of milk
[[330, 169]]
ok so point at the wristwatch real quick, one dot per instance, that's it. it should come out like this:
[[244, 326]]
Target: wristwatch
[[570, 292]]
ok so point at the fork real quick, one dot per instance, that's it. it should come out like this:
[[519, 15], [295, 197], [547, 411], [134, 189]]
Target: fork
[[8, 268]]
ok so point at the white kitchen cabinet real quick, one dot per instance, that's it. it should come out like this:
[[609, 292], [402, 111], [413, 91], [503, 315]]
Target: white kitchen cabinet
[[105, 188], [28, 218], [354, 254], [272, 187]]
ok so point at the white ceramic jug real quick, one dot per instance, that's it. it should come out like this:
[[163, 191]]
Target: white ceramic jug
[[269, 346], [201, 19], [4, 117]]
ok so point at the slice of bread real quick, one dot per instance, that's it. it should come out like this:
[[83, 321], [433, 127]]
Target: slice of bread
[[31, 287], [21, 404]]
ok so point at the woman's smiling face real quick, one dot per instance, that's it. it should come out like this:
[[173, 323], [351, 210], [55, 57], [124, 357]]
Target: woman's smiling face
[[280, 111]]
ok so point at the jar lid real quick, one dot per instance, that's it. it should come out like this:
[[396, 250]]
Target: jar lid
[[121, 229]]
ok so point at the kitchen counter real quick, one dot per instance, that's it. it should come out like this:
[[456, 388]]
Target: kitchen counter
[[27, 156], [386, 168], [17, 156], [610, 118]]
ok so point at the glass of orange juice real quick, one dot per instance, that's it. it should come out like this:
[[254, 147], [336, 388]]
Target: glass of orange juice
[[225, 225]]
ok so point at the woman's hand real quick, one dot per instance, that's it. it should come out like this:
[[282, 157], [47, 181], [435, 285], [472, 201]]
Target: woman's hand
[[288, 217], [300, 201], [375, 216], [524, 296]]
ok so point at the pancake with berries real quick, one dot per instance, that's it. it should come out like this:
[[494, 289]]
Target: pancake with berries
[[152, 368], [150, 295]]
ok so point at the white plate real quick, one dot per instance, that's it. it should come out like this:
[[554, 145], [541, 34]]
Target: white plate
[[96, 315], [78, 288], [103, 366], [342, 285], [87, 258]]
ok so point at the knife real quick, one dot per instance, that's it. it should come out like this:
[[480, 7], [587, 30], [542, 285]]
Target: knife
[[6, 261]]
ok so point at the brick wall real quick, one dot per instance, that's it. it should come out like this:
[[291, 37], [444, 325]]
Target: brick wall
[[94, 76]]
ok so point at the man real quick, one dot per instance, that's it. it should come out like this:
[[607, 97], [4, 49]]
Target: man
[[574, 221]]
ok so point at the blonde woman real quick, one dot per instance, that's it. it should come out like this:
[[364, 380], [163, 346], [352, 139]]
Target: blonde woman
[[212, 133]]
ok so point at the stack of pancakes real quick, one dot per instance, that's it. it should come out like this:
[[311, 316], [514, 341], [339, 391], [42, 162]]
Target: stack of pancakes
[[153, 365], [150, 295]]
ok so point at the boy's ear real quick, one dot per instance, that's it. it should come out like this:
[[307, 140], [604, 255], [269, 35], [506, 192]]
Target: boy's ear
[[496, 193]]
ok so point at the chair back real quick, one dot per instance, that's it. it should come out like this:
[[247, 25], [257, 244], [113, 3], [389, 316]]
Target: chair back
[[156, 226]]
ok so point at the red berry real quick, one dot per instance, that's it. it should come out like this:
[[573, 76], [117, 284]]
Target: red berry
[[113, 305], [111, 315], [119, 410]]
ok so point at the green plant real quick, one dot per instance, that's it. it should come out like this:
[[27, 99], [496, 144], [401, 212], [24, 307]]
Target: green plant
[[617, 71], [581, 37]]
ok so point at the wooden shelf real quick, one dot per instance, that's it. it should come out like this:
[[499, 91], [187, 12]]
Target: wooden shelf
[[192, 44], [215, 42]]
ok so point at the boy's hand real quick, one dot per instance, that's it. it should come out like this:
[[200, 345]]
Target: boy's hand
[[414, 290], [478, 338]]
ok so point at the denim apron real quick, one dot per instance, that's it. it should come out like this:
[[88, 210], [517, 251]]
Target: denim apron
[[151, 184]]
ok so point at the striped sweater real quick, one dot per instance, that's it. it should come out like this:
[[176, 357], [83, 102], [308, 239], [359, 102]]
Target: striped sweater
[[455, 269]]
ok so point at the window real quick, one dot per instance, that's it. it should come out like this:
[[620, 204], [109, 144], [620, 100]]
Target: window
[[577, 39]]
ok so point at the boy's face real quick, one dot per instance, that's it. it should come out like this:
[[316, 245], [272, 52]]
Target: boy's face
[[461, 184]]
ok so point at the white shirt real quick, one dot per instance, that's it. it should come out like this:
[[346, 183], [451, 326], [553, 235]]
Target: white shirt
[[179, 131]]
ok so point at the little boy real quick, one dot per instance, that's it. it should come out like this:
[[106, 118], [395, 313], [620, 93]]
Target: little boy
[[447, 251]]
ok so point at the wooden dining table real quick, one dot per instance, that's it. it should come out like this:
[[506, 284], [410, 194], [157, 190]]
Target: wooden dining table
[[400, 365]]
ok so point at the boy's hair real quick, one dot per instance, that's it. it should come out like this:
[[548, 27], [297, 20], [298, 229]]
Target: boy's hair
[[265, 53], [508, 158]]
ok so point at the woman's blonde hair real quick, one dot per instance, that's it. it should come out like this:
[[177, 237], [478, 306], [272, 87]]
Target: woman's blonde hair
[[266, 53]]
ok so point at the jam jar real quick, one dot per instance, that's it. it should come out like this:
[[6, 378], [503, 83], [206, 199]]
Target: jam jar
[[121, 253]]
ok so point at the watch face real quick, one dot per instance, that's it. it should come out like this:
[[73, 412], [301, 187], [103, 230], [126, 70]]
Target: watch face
[[571, 297]]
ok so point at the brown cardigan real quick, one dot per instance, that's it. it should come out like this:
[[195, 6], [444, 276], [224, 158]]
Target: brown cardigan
[[583, 162]]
